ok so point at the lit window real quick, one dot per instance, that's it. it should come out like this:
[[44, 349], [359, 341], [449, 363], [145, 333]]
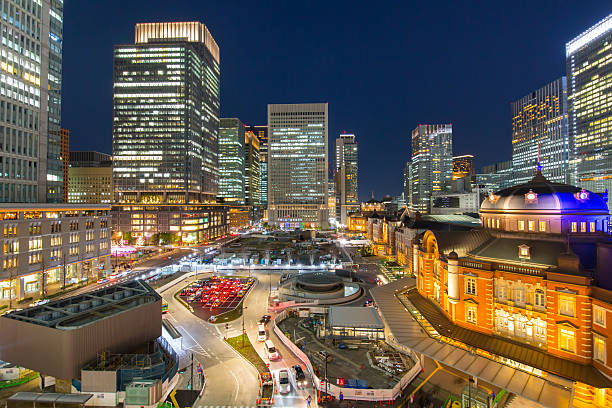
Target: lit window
[[542, 226], [567, 339], [574, 226], [599, 348], [524, 252], [470, 314], [567, 305], [531, 225], [488, 223], [599, 315], [592, 226], [539, 298], [583, 226], [470, 286], [521, 225], [497, 223]]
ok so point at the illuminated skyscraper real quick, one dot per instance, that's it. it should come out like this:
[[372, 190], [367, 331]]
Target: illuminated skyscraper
[[30, 102], [262, 134], [463, 166], [345, 174], [252, 176], [432, 163], [231, 160], [297, 165], [539, 131], [166, 135], [589, 77], [166, 115]]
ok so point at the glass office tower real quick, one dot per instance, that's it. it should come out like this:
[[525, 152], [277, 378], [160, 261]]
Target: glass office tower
[[539, 133], [30, 101], [345, 174], [166, 115], [463, 166], [432, 163], [297, 165], [589, 77], [231, 160], [165, 135], [262, 134], [252, 174]]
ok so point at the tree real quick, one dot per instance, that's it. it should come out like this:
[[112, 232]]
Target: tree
[[127, 236]]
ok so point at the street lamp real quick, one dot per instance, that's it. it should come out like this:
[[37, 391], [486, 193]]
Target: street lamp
[[243, 308]]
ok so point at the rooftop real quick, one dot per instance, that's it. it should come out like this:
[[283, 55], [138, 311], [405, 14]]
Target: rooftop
[[81, 310], [354, 316]]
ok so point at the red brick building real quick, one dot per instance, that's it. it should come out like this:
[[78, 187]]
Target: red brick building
[[532, 289]]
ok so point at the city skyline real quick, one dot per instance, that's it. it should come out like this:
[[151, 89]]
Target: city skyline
[[474, 122]]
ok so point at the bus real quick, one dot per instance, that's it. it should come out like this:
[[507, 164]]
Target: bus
[[164, 306]]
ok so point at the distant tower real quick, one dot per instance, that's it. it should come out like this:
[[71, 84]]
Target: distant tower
[[345, 176], [432, 163]]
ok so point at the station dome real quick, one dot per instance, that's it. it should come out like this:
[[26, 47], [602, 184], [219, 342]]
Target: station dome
[[540, 196]]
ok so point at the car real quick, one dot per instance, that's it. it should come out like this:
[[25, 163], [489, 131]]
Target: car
[[300, 377], [284, 385], [102, 280], [271, 351], [265, 319], [261, 332]]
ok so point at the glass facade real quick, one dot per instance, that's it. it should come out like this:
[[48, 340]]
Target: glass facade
[[346, 188], [30, 101], [539, 133], [463, 166], [297, 166], [231, 160], [166, 115], [252, 175], [262, 134], [589, 76], [432, 163]]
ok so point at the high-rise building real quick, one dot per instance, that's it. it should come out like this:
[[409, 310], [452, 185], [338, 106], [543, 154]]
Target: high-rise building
[[345, 174], [539, 133], [65, 161], [589, 81], [463, 166], [331, 199], [297, 165], [432, 163], [252, 176], [262, 134], [495, 177], [231, 160], [165, 134], [30, 102], [90, 178], [407, 184], [165, 115], [53, 68]]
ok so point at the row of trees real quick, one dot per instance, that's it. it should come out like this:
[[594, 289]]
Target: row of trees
[[161, 238]]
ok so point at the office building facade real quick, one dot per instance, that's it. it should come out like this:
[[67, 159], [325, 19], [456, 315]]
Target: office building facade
[[345, 175], [262, 134], [231, 161], [90, 178], [30, 102], [463, 166], [46, 247], [165, 115], [65, 156], [165, 132], [297, 165], [252, 174], [589, 77], [432, 163], [539, 134]]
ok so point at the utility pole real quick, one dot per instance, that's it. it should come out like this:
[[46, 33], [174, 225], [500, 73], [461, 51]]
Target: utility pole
[[243, 322], [191, 382]]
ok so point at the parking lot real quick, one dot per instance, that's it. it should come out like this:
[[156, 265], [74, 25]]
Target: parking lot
[[216, 295]]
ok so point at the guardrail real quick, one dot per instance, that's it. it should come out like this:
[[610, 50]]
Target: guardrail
[[347, 393]]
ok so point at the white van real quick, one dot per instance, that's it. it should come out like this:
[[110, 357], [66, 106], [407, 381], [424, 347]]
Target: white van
[[271, 350], [261, 332]]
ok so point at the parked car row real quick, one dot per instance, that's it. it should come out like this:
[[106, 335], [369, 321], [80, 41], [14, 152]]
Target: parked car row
[[216, 291]]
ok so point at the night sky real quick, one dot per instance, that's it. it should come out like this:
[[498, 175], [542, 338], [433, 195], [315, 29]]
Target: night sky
[[383, 68]]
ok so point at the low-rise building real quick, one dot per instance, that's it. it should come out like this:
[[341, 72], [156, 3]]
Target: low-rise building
[[47, 247]]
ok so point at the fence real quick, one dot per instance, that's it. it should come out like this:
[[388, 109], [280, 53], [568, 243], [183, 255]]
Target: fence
[[348, 393]]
